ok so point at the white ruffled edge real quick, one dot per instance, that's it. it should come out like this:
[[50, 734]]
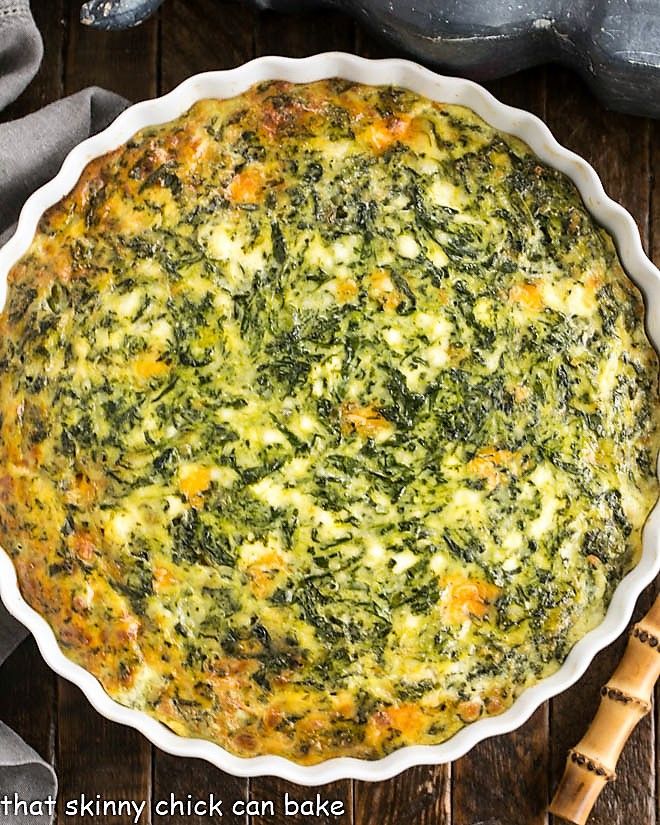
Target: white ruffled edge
[[608, 213]]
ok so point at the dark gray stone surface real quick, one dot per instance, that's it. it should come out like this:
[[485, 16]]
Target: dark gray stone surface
[[614, 44]]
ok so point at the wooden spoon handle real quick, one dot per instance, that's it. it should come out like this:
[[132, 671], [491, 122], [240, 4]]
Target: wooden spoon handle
[[625, 699]]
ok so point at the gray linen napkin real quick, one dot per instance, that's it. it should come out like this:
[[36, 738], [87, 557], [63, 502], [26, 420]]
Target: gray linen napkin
[[31, 151], [21, 49], [27, 784]]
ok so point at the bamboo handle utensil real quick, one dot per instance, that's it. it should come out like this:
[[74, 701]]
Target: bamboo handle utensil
[[625, 699]]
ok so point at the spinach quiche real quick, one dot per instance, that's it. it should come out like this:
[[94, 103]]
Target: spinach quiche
[[328, 420]]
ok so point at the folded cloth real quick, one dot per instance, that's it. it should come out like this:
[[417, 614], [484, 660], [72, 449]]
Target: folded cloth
[[27, 784], [21, 49], [31, 151], [25, 778], [11, 634]]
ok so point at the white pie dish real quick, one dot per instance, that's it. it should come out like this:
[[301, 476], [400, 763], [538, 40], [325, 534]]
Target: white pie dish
[[611, 215]]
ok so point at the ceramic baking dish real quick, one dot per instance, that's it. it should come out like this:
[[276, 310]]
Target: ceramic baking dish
[[608, 213]]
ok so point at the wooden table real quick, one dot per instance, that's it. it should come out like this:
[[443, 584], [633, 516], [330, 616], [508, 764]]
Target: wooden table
[[503, 781]]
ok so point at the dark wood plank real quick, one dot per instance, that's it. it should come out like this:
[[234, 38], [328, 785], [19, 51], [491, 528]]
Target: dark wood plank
[[526, 90], [618, 146], [176, 778], [27, 699], [198, 36], [202, 35], [301, 35], [654, 252], [654, 168], [516, 767], [524, 753], [47, 85], [96, 756], [124, 62], [420, 795]]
